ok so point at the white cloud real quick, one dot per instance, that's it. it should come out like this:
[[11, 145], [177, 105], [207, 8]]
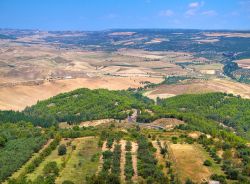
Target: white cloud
[[190, 12], [209, 13], [166, 13], [196, 4], [193, 5], [193, 8]]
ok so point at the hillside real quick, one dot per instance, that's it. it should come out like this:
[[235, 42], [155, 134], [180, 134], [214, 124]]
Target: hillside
[[226, 109], [214, 110], [118, 151], [84, 104], [125, 92]]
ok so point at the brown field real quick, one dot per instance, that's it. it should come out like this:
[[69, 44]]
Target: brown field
[[37, 72], [207, 41], [244, 63], [200, 86], [122, 33], [242, 35], [156, 40], [20, 96], [210, 69], [166, 123], [32, 72], [189, 162]]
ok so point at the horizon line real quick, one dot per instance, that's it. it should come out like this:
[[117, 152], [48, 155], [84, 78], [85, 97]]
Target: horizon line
[[119, 29]]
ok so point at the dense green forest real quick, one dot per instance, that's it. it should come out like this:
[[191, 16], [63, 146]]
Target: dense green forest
[[205, 112], [16, 116], [84, 104], [223, 108], [17, 144]]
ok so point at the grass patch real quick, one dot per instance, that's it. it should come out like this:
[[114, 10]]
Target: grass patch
[[82, 162], [52, 157], [189, 159]]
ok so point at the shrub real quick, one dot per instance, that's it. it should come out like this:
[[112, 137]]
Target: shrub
[[51, 168], [67, 182], [129, 171], [189, 181], [128, 146], [110, 142], [174, 140], [220, 178], [115, 169], [147, 164], [2, 141], [62, 150], [207, 163]]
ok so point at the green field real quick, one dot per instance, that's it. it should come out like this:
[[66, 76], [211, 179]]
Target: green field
[[80, 163]]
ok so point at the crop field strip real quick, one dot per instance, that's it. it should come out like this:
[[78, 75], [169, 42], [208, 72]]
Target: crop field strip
[[83, 161], [52, 157], [26, 165], [134, 160], [161, 154], [123, 159], [36, 160], [173, 160], [120, 159], [74, 166]]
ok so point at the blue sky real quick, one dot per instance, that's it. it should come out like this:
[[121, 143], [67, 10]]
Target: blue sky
[[106, 14]]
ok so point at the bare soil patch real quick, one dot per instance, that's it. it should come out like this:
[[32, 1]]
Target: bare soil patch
[[168, 123], [123, 159], [95, 122], [134, 160], [194, 135], [244, 63]]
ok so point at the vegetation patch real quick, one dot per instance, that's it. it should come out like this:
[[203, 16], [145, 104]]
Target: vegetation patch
[[18, 143]]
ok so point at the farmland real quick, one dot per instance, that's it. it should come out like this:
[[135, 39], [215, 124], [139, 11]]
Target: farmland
[[124, 106], [116, 156], [38, 65], [165, 143]]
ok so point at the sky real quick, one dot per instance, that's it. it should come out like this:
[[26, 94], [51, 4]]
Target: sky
[[107, 14]]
